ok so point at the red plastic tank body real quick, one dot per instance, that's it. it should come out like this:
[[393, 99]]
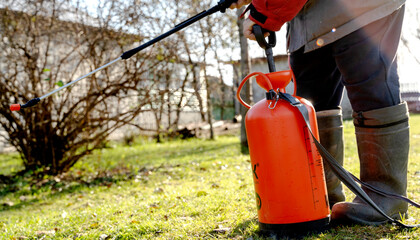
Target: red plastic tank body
[[287, 169]]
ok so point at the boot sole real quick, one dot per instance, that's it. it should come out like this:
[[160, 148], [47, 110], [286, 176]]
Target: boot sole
[[356, 221]]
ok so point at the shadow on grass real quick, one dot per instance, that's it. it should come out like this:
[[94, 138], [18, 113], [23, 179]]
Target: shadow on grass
[[244, 230], [27, 189], [249, 230]]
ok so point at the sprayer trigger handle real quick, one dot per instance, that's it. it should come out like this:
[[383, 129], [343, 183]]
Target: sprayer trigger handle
[[259, 35], [224, 4]]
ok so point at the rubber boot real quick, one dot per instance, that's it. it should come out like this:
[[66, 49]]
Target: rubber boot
[[383, 142], [330, 127]]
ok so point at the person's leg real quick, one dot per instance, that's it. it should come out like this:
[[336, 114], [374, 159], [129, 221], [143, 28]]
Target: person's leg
[[366, 59], [331, 134], [318, 80], [317, 77], [383, 145]]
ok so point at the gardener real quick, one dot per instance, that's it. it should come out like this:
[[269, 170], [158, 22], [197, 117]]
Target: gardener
[[352, 44]]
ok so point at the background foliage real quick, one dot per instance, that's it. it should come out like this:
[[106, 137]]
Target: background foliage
[[46, 44]]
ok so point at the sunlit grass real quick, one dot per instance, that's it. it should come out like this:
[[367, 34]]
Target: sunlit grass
[[10, 163], [195, 189]]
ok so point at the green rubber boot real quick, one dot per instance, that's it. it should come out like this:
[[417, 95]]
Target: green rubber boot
[[330, 127], [383, 142]]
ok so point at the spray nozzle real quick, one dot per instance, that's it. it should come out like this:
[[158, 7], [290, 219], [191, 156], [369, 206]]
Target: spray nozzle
[[15, 107], [30, 103]]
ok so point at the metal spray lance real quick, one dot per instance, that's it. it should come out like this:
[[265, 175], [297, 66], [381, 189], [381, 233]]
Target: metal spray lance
[[221, 6]]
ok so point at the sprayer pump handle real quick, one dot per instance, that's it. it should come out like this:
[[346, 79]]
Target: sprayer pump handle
[[267, 46], [259, 35]]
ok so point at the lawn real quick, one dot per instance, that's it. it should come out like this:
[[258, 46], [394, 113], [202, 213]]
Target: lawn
[[193, 189]]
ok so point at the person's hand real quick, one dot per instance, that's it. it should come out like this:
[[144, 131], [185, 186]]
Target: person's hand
[[239, 4], [247, 30], [248, 23]]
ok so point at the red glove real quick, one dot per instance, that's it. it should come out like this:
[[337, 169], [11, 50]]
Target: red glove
[[272, 14]]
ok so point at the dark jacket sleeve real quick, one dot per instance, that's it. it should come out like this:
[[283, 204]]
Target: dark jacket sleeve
[[272, 14]]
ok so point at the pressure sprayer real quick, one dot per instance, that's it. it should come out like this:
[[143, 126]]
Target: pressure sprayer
[[285, 151], [286, 161], [221, 6]]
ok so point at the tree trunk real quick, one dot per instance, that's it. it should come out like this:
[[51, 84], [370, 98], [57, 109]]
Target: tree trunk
[[247, 90], [209, 105], [196, 83], [235, 85], [221, 88], [179, 104]]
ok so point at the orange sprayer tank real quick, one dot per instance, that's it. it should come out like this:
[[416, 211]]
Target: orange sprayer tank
[[287, 169]]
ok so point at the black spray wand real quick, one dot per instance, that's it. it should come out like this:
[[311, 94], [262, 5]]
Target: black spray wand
[[221, 6]]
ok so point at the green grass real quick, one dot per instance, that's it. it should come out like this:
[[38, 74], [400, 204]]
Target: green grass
[[10, 163], [195, 189]]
